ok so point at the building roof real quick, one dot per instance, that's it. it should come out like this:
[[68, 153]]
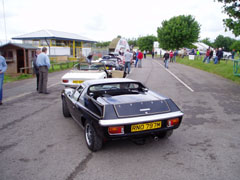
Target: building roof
[[52, 34], [23, 46]]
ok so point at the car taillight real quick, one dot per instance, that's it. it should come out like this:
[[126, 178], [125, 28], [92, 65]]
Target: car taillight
[[115, 130], [65, 81], [173, 122]]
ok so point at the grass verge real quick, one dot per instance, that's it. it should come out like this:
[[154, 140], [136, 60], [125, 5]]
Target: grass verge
[[224, 69]]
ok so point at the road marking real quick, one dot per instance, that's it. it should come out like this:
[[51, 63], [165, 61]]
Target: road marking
[[25, 94], [18, 96], [54, 84], [176, 77]]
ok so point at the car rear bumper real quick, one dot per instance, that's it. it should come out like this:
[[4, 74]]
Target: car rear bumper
[[140, 119]]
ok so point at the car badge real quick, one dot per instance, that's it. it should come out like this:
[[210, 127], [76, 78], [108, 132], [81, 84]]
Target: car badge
[[146, 109]]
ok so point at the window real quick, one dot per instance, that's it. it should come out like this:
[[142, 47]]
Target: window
[[78, 43], [27, 41], [62, 43], [53, 42], [33, 54], [87, 45], [35, 42], [44, 43], [65, 43], [77, 93], [10, 54]]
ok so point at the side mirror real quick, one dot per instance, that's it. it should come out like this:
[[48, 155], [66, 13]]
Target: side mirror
[[91, 94], [145, 89]]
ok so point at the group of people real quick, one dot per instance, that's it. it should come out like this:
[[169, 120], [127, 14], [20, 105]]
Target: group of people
[[41, 65], [129, 57], [209, 55], [169, 56]]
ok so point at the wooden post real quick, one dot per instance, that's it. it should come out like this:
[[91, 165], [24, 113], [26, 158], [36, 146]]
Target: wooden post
[[25, 60]]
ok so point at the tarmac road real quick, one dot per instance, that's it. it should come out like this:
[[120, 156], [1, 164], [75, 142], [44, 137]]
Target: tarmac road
[[37, 142]]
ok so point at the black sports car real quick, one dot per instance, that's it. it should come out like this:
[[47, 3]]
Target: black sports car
[[111, 109]]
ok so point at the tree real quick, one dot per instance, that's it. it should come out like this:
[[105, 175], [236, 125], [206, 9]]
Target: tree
[[103, 44], [236, 46], [232, 9], [207, 42], [146, 42], [132, 42], [223, 42], [178, 32]]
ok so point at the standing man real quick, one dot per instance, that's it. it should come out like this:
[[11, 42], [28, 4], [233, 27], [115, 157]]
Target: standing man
[[3, 68], [140, 57], [136, 60], [166, 58], [35, 67], [43, 63], [89, 58], [219, 56], [144, 53], [233, 53], [152, 53], [128, 59], [207, 55]]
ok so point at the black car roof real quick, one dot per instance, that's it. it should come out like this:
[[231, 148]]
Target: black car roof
[[109, 80]]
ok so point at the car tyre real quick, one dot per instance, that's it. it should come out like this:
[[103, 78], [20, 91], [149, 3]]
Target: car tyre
[[65, 109], [94, 142], [165, 134]]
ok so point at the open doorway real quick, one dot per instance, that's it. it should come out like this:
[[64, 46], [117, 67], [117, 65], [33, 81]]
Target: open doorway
[[20, 59]]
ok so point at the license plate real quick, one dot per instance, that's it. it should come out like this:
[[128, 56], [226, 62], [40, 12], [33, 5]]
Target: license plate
[[146, 126], [77, 82]]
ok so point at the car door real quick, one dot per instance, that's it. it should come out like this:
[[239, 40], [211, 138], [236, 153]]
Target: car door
[[76, 110]]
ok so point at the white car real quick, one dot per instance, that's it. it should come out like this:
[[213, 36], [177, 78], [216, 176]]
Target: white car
[[82, 72]]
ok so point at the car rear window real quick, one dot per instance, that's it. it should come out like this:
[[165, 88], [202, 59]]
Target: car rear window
[[115, 86]]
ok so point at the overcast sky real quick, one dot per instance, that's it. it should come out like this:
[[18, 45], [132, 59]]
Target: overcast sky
[[103, 20]]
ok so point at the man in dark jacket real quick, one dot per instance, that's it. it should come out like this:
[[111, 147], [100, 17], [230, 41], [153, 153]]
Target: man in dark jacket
[[166, 58], [89, 58], [35, 67], [210, 56], [219, 56]]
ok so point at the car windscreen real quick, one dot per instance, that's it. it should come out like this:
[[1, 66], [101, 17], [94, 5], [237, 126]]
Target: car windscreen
[[86, 66], [108, 62]]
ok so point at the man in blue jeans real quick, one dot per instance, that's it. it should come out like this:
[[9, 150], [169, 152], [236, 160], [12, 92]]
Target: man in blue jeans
[[3, 68], [128, 59]]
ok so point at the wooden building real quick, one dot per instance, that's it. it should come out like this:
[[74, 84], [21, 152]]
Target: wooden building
[[18, 56]]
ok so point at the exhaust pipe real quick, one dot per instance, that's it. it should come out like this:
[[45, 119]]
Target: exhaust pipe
[[156, 138]]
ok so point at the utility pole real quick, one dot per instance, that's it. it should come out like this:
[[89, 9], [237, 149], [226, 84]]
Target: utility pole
[[4, 21]]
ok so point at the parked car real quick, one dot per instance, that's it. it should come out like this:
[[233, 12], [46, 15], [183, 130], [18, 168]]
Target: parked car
[[111, 109], [112, 64], [82, 72]]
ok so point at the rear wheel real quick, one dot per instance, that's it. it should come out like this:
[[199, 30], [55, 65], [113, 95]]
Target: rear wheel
[[165, 134], [94, 142], [65, 109]]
